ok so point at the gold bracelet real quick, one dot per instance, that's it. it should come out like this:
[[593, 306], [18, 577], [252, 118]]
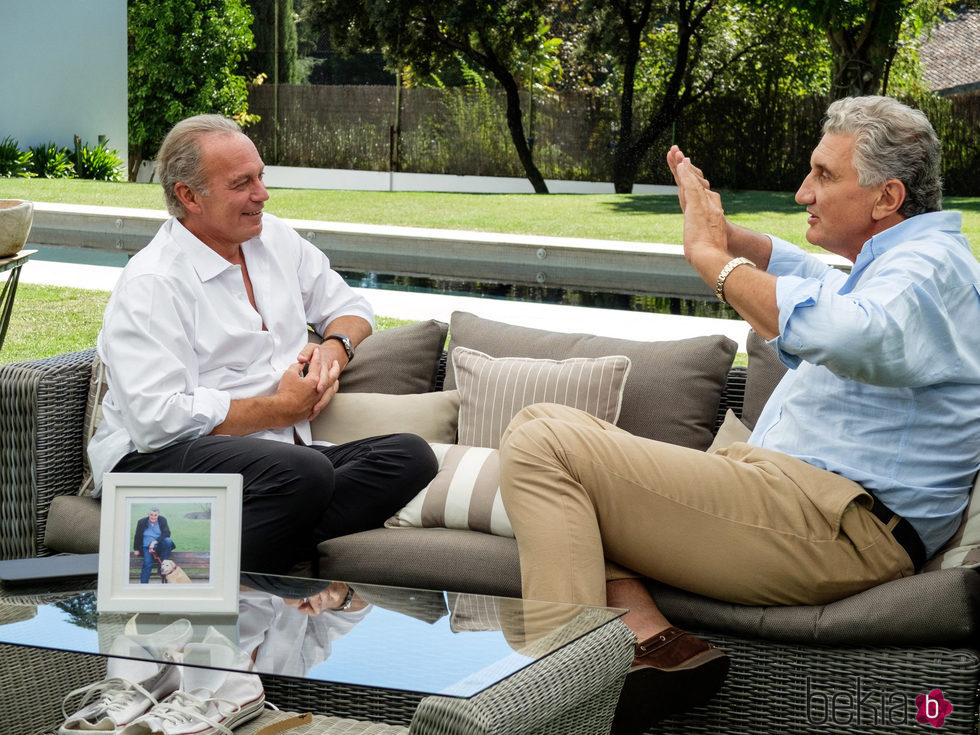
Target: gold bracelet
[[727, 271]]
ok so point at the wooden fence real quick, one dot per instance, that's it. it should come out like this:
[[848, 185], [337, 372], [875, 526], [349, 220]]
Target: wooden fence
[[747, 145]]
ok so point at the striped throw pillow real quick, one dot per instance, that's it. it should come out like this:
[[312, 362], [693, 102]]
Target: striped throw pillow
[[464, 494], [97, 389], [492, 390]]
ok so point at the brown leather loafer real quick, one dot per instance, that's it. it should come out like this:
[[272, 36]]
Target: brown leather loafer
[[671, 672]]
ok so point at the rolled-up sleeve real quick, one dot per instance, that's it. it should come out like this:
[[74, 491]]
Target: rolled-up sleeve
[[890, 327], [153, 370]]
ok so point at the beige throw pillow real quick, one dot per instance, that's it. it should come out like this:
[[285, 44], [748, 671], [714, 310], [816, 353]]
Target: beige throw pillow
[[352, 416], [731, 430], [493, 390], [464, 494]]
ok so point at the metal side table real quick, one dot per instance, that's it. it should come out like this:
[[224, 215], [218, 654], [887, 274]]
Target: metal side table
[[13, 264]]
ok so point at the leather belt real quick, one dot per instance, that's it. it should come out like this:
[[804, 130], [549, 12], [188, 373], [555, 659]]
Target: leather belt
[[903, 532]]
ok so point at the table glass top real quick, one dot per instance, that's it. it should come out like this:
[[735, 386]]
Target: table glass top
[[422, 641]]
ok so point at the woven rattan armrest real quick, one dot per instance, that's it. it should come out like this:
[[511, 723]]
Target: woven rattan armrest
[[43, 409], [574, 689]]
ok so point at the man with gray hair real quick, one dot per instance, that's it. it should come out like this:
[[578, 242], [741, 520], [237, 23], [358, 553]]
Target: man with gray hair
[[152, 541], [859, 467], [210, 368]]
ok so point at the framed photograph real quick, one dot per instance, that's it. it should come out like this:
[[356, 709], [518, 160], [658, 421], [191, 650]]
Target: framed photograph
[[170, 543]]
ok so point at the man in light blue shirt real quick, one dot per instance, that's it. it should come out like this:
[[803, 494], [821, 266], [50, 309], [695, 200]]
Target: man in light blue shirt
[[862, 461], [892, 354]]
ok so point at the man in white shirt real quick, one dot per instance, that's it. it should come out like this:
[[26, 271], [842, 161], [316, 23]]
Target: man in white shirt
[[209, 365]]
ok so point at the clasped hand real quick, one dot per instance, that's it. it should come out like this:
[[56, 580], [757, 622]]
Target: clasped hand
[[308, 384]]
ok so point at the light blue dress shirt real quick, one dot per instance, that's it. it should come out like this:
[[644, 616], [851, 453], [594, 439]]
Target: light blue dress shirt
[[884, 385]]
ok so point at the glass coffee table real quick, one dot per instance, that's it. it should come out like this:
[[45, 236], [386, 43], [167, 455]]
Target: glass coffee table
[[395, 657]]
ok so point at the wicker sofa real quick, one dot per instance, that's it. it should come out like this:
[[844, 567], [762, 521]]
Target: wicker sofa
[[858, 664]]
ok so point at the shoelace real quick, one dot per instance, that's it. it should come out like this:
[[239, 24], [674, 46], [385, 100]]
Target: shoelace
[[116, 694], [181, 708]]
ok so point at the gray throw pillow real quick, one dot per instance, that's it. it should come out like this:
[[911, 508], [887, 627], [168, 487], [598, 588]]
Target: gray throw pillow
[[765, 371], [399, 360], [673, 388]]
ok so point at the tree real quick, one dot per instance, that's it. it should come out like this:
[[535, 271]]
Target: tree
[[270, 15], [864, 37], [686, 48], [183, 56], [501, 37]]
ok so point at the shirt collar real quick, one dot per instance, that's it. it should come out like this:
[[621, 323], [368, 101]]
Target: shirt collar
[[908, 229], [205, 261]]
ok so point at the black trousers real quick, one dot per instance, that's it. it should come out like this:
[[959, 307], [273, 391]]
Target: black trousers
[[297, 496]]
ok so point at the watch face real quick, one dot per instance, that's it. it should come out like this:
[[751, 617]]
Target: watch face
[[345, 341]]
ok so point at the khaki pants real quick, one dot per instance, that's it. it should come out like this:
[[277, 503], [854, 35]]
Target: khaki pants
[[589, 501]]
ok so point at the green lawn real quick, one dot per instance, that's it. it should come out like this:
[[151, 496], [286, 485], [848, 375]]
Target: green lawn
[[189, 529], [51, 320], [639, 217]]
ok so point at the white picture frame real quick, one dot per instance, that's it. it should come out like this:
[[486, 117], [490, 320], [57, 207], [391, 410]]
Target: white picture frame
[[204, 522]]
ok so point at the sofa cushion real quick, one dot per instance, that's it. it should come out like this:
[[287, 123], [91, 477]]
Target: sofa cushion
[[963, 550], [351, 416], [492, 390], [765, 371], [926, 608], [673, 389], [72, 525], [427, 558], [464, 494], [397, 360]]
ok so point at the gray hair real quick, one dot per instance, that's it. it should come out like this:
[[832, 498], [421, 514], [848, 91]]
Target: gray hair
[[892, 141], [179, 157]]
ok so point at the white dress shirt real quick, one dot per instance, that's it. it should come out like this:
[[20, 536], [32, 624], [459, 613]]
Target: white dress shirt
[[283, 640], [180, 339]]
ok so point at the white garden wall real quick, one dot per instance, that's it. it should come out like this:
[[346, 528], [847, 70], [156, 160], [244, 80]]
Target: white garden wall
[[63, 72]]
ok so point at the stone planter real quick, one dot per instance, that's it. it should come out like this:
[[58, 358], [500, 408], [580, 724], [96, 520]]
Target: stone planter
[[16, 216]]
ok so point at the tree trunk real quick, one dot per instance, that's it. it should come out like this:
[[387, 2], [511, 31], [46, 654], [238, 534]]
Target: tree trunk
[[626, 162], [135, 159], [516, 127], [862, 53]]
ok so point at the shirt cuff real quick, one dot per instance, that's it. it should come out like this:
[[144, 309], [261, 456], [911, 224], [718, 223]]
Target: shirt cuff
[[210, 408], [792, 293]]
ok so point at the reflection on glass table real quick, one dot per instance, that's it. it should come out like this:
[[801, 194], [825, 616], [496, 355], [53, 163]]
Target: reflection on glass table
[[420, 641]]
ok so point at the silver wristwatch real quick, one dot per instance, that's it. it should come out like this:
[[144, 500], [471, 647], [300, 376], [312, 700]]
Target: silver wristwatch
[[345, 341]]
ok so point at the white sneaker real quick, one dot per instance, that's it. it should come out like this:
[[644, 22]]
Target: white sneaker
[[211, 701], [186, 714], [131, 685]]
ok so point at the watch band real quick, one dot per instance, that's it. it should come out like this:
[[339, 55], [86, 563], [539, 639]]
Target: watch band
[[727, 271], [345, 605], [345, 341]]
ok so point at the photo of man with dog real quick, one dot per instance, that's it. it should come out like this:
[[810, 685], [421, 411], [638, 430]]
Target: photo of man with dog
[[155, 538]]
